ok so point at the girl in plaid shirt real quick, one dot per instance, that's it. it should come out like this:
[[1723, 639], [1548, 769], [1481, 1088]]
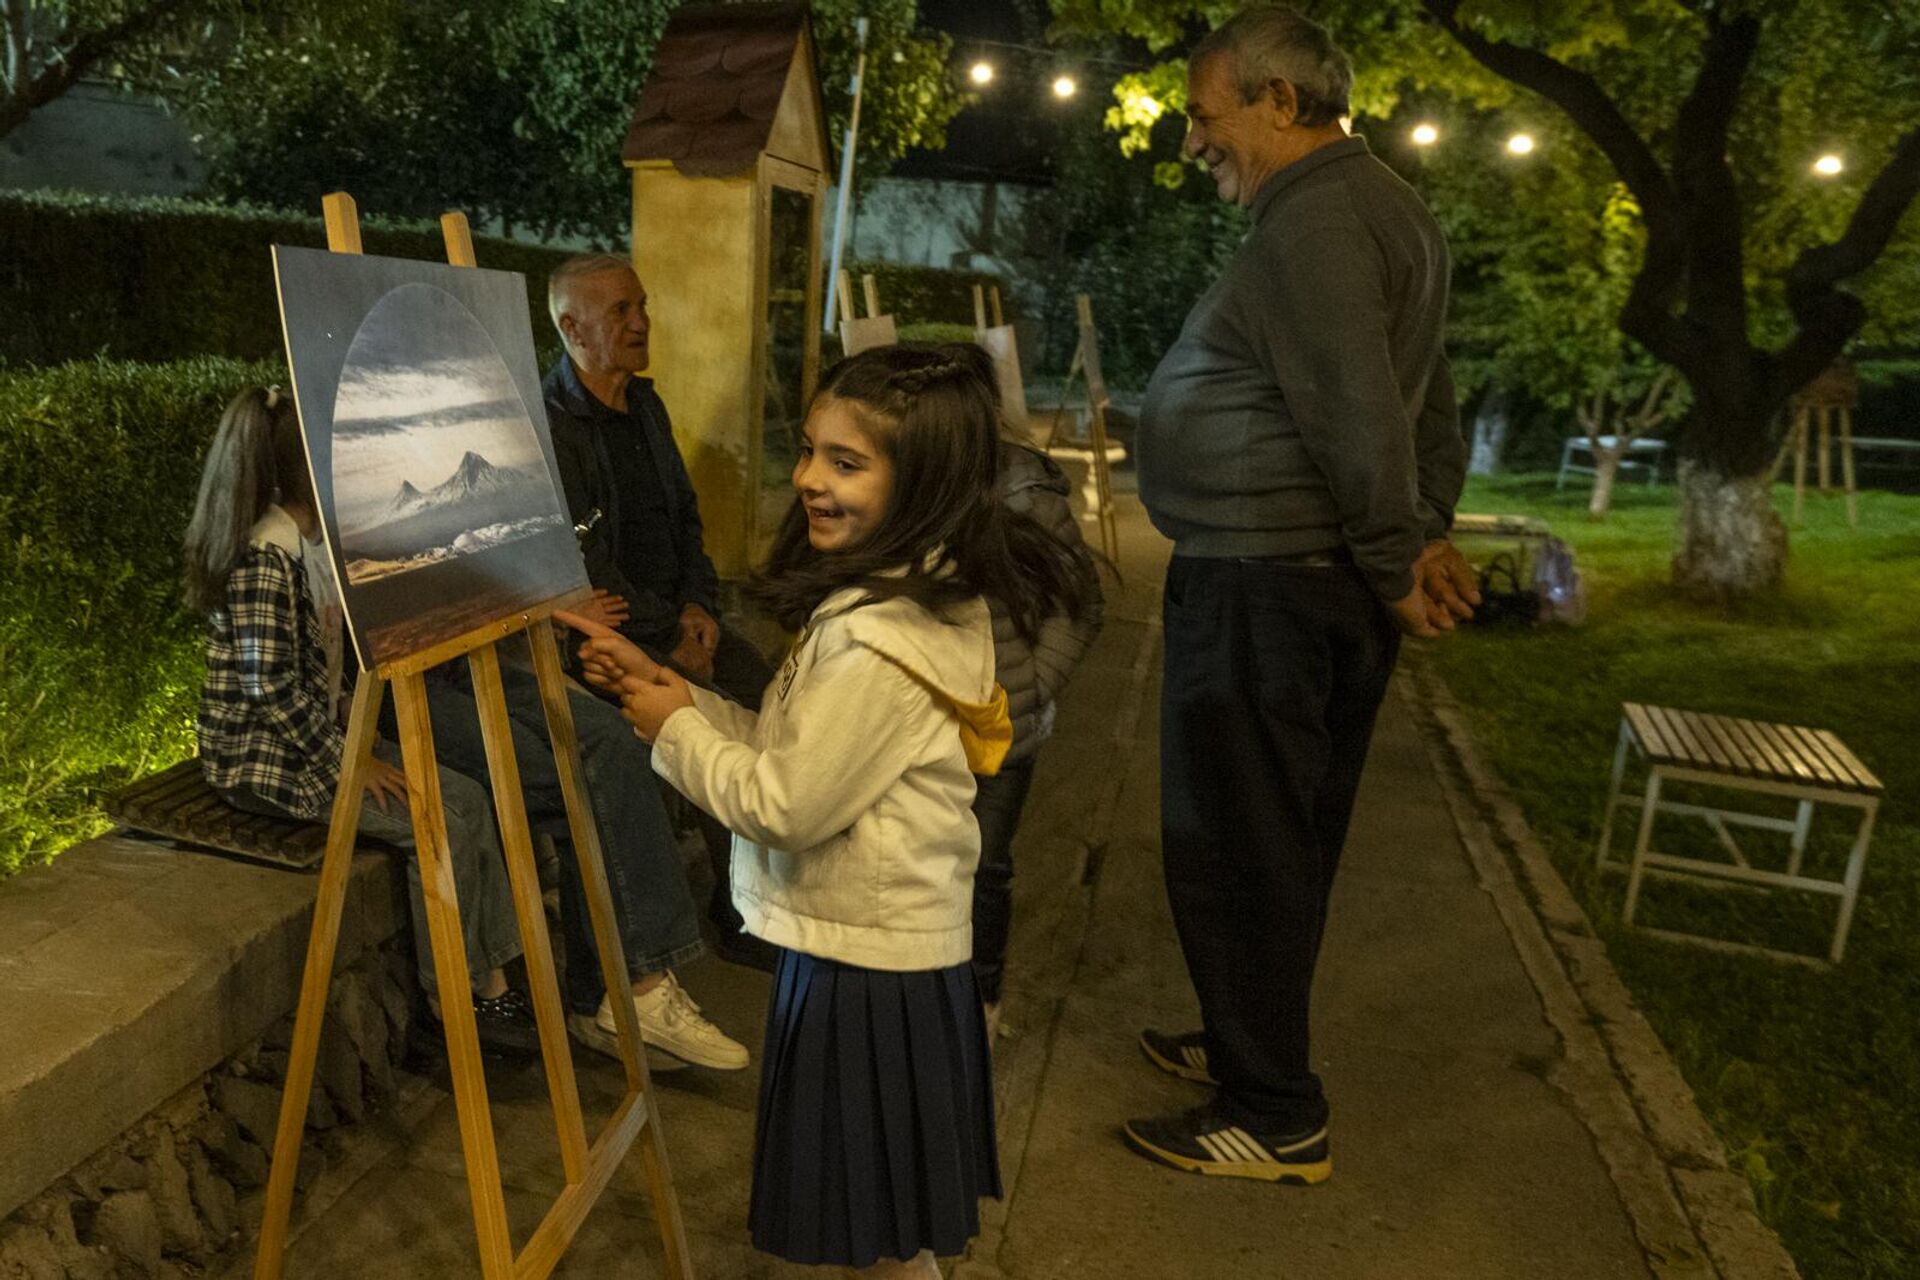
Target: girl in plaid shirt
[[270, 735]]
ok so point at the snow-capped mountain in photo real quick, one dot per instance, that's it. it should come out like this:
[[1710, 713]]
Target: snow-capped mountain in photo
[[478, 506]]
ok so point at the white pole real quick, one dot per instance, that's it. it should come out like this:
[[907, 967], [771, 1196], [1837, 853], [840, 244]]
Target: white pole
[[846, 174]]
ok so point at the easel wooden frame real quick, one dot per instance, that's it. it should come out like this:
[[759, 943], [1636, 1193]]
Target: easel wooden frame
[[1086, 364], [1827, 401], [588, 1168], [875, 330]]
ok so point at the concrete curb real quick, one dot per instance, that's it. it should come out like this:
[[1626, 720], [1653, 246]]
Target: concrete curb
[[1694, 1215]]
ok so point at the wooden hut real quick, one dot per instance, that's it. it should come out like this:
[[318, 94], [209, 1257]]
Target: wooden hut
[[728, 150]]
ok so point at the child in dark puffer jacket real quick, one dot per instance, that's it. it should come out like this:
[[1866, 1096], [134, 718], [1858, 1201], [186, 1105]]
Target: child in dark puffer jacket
[[1033, 672]]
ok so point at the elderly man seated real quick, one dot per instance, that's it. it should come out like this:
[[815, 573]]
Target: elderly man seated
[[628, 489]]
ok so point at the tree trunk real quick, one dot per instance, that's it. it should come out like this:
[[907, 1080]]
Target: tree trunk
[[1732, 542], [1490, 425], [1606, 465]]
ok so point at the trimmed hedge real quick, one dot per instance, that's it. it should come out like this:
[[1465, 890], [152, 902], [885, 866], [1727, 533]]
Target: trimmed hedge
[[99, 663], [166, 279], [927, 295]]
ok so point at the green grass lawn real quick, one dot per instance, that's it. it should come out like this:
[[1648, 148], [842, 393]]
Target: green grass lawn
[[1811, 1077]]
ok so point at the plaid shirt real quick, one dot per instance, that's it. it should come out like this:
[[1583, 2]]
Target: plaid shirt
[[264, 723]]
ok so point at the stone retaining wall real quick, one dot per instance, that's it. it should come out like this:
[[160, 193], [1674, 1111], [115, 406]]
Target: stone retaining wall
[[177, 1194]]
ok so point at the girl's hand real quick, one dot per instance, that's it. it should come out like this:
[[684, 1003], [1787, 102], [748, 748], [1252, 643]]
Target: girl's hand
[[608, 656], [646, 704], [383, 780]]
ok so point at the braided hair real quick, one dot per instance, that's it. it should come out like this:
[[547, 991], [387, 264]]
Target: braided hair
[[945, 536]]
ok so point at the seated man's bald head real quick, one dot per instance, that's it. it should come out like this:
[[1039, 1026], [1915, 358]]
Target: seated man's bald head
[[600, 308]]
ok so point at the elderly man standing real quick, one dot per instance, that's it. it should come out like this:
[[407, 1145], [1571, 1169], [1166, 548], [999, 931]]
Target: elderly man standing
[[1301, 445], [628, 487]]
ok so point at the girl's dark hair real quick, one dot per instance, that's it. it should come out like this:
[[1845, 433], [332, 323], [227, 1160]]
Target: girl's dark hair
[[255, 459], [935, 413]]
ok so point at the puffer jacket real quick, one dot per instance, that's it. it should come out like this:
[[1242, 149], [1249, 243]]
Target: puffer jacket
[[1032, 484]]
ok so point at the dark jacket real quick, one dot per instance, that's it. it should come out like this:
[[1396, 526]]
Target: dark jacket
[[1032, 484], [1307, 406], [579, 424]]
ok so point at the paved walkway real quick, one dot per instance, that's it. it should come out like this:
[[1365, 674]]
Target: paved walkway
[[1454, 1155]]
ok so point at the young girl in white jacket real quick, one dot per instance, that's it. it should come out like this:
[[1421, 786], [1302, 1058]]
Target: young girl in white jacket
[[850, 794]]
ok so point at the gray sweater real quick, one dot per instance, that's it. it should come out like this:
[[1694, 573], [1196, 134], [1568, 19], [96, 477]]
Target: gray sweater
[[1307, 405]]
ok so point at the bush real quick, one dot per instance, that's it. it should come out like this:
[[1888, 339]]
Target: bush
[[926, 295], [167, 279], [99, 662]]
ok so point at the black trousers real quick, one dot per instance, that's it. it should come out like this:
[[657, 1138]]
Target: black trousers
[[997, 805], [1274, 673]]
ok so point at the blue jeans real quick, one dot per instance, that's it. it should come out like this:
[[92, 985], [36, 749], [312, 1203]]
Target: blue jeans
[[480, 885], [659, 929]]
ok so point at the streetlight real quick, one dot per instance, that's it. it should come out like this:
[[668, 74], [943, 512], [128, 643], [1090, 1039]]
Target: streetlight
[[1829, 165], [1425, 135], [982, 73], [1520, 144], [1064, 87]]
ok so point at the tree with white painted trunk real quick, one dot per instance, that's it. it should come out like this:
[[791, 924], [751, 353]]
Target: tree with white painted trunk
[[1690, 303], [1613, 423]]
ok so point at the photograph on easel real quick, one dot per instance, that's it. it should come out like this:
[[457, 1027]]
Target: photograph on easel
[[420, 404]]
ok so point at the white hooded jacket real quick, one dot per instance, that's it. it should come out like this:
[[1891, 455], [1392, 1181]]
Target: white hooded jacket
[[851, 792]]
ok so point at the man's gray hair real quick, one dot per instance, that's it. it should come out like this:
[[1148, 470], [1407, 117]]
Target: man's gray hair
[[580, 264], [1277, 43]]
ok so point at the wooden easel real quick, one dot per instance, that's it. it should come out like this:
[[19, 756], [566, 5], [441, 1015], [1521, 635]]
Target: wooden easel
[[1086, 363], [588, 1168], [856, 334], [1828, 399]]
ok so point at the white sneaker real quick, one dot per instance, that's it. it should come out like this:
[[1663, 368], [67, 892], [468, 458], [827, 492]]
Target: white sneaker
[[670, 1020], [598, 1033]]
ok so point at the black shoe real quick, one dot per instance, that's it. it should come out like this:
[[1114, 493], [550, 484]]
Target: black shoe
[[744, 949], [506, 1024], [1183, 1055], [1203, 1141]]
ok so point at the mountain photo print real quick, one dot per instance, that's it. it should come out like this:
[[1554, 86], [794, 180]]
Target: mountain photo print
[[420, 405]]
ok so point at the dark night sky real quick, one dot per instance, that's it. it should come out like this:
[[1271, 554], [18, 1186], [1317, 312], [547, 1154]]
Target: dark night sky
[[1007, 133]]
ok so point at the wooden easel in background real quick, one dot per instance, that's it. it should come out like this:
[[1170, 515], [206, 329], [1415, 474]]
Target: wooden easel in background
[[999, 341], [1086, 363], [588, 1168], [876, 330], [1831, 396]]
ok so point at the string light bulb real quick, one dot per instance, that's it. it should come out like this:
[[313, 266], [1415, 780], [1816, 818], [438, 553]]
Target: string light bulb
[[1064, 87], [1829, 165], [981, 73], [1425, 135], [1520, 144]]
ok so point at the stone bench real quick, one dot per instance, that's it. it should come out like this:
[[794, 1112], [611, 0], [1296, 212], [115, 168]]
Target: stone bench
[[129, 969]]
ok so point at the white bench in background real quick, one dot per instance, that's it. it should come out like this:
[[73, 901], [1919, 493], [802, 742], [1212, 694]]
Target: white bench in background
[[1649, 450]]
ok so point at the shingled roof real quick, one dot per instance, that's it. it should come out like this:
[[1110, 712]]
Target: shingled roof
[[718, 78]]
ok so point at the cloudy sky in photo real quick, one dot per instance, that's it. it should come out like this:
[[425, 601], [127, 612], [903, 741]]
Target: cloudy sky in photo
[[423, 385]]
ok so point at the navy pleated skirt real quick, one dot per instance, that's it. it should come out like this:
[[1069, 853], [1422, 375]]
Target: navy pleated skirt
[[876, 1136]]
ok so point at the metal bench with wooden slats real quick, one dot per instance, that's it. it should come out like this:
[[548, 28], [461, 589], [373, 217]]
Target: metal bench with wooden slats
[[178, 804], [1810, 766]]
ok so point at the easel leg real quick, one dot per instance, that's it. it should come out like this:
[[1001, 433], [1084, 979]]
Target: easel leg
[[1799, 463], [329, 902], [496, 728], [1846, 468], [1823, 460], [606, 934], [450, 969]]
